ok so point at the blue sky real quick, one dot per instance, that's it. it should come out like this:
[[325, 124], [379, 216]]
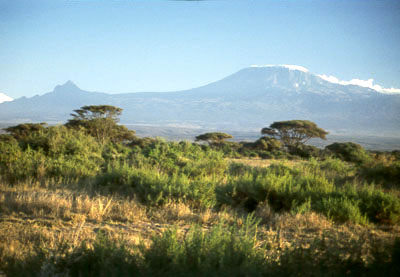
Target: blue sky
[[144, 45]]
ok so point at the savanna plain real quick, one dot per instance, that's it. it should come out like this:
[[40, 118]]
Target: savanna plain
[[89, 198]]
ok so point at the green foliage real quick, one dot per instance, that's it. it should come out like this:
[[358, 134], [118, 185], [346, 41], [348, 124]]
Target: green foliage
[[305, 151], [306, 189], [294, 132], [387, 174], [103, 257], [157, 188], [23, 130], [349, 151], [101, 123], [223, 250], [184, 157], [165, 171], [214, 137], [17, 164], [158, 172], [52, 152], [267, 144], [342, 210]]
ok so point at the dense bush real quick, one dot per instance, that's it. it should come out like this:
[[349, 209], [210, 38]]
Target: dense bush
[[308, 188], [164, 171], [223, 250], [305, 151], [52, 152], [157, 188], [267, 143], [349, 151], [382, 172]]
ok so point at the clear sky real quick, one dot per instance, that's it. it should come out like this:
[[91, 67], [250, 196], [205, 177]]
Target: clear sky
[[144, 45]]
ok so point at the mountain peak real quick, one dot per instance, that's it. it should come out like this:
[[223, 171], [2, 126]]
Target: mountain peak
[[288, 66], [68, 86], [69, 83]]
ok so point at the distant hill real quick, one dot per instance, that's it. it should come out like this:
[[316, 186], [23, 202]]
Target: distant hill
[[249, 99]]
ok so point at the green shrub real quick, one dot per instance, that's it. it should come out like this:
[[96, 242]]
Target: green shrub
[[184, 157], [308, 189], [103, 257], [382, 173], [157, 188], [305, 151], [267, 144], [342, 210], [54, 152], [349, 151], [380, 207], [228, 251], [19, 165]]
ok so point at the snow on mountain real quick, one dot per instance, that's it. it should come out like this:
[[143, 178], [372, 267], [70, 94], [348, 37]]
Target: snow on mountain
[[288, 66], [362, 83], [249, 98], [5, 98], [332, 79]]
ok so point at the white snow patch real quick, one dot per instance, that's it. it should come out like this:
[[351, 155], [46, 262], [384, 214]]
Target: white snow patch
[[362, 83], [288, 66], [5, 98], [295, 67]]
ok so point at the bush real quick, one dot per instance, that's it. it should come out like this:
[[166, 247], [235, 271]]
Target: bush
[[382, 173], [342, 210], [103, 257], [305, 151], [158, 188], [267, 144], [55, 152], [308, 189], [349, 151], [220, 251]]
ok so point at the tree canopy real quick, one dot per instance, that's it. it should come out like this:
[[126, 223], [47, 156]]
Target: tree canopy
[[214, 137], [101, 122], [23, 130], [294, 132]]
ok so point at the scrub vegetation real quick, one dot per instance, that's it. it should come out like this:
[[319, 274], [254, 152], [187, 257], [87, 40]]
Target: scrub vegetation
[[91, 199]]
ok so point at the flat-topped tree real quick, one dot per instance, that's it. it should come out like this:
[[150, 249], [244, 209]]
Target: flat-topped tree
[[294, 132], [23, 130], [214, 137], [101, 122]]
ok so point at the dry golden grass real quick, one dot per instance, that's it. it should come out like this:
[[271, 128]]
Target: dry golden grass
[[258, 162], [52, 217]]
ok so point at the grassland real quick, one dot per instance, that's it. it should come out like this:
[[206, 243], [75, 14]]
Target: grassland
[[70, 206]]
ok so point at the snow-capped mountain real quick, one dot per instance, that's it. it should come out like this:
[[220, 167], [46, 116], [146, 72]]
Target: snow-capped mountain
[[251, 98], [5, 98]]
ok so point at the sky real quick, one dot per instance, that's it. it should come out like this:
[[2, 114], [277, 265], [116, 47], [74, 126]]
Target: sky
[[120, 46]]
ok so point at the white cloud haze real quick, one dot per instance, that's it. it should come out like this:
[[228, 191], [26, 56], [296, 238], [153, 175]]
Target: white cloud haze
[[362, 83], [4, 98]]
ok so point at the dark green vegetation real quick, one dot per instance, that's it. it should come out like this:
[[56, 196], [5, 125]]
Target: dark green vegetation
[[343, 183], [294, 132]]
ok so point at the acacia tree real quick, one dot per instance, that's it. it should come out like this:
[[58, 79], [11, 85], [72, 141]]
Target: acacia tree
[[294, 132], [214, 137], [21, 131], [101, 122]]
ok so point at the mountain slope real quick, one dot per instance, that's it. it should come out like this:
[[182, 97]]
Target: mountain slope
[[251, 98]]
